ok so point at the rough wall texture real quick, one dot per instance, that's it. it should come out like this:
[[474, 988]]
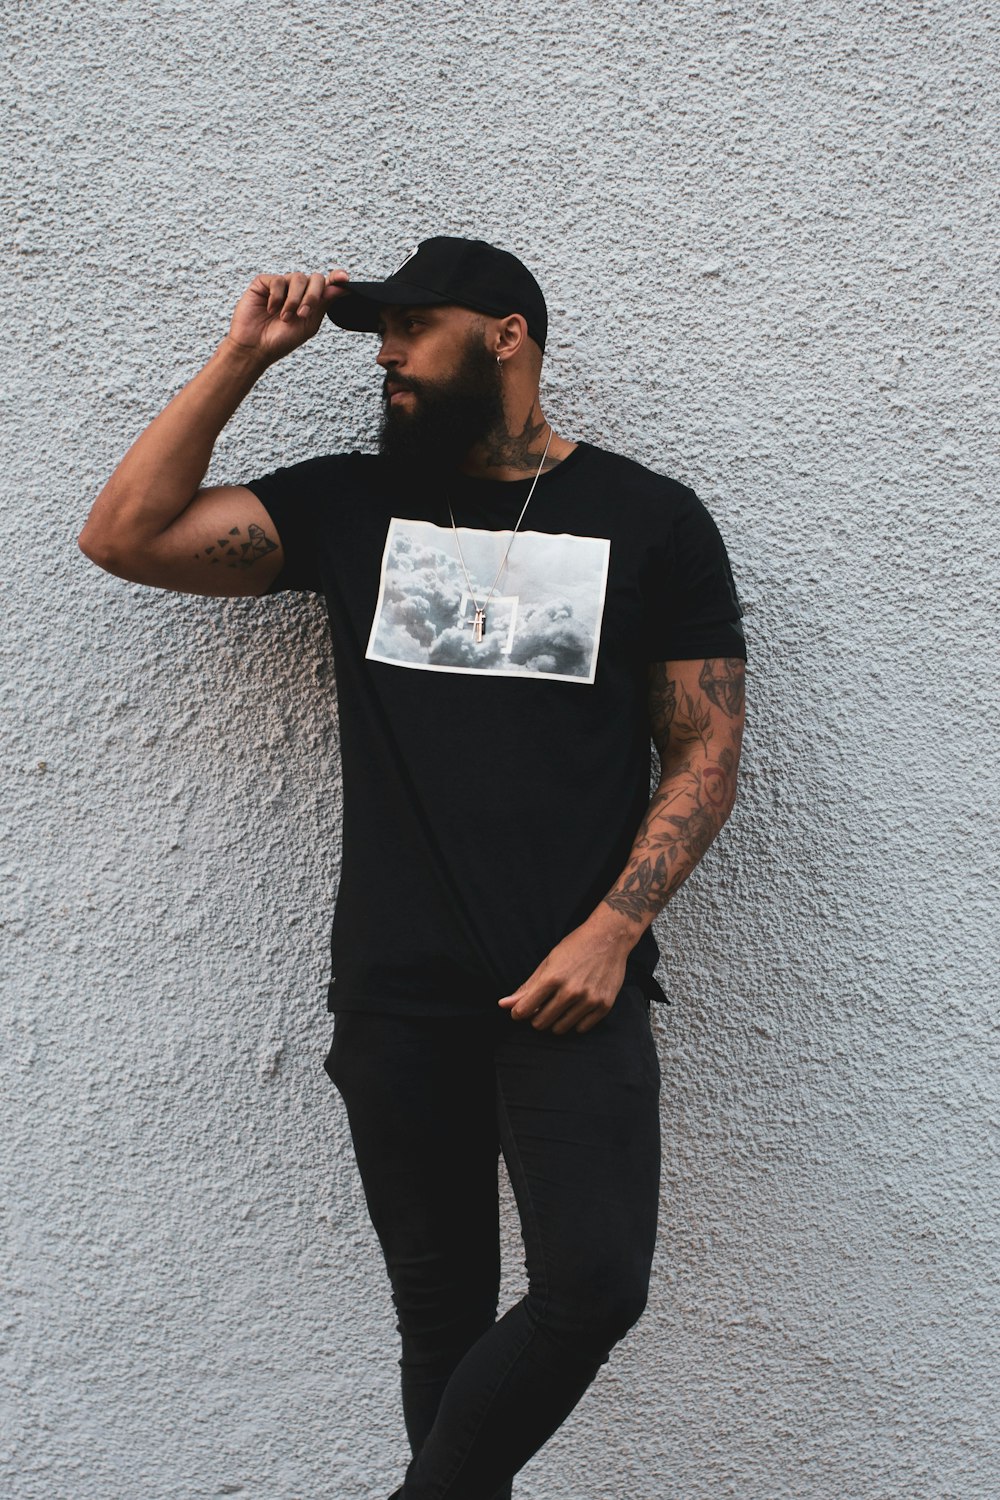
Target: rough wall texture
[[763, 230]]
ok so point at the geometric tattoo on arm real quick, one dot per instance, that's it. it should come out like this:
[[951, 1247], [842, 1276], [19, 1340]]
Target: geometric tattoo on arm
[[237, 554]]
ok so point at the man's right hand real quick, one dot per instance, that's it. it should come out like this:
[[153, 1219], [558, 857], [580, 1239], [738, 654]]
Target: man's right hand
[[278, 313]]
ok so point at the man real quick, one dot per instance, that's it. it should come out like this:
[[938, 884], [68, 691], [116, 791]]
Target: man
[[513, 615]]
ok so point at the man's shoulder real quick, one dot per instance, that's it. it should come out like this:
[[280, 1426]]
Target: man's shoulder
[[638, 479], [347, 469], [350, 460]]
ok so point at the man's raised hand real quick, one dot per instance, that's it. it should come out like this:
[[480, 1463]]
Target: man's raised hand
[[278, 313]]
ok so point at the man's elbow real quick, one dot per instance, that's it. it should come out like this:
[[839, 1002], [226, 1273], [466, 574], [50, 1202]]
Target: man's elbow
[[103, 552], [732, 788], [711, 781], [96, 550]]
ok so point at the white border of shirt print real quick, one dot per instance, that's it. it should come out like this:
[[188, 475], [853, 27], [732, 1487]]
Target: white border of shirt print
[[393, 661]]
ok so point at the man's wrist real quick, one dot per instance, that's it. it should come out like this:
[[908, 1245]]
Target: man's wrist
[[244, 360], [613, 929]]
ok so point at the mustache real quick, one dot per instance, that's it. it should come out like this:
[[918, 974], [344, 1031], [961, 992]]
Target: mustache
[[400, 382]]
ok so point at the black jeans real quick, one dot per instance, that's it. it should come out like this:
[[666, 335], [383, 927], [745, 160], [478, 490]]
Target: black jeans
[[431, 1102]]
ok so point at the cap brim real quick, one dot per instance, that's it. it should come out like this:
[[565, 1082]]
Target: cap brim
[[358, 308]]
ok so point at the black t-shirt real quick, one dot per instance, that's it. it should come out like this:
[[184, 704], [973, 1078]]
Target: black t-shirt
[[492, 789]]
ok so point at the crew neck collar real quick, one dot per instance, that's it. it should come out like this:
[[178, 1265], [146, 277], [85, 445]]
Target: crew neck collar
[[475, 483]]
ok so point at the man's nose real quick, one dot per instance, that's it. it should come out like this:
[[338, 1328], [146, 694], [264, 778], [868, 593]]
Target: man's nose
[[388, 355]]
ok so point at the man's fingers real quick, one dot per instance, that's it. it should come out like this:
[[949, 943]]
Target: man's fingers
[[312, 297], [277, 287], [336, 283], [524, 1000], [298, 295], [293, 296], [551, 1011], [561, 1013], [572, 1018], [594, 1019]]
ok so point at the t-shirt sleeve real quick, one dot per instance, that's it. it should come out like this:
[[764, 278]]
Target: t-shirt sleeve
[[297, 499], [692, 607]]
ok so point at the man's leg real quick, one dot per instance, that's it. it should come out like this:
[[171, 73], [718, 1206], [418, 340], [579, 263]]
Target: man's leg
[[578, 1116], [419, 1093]]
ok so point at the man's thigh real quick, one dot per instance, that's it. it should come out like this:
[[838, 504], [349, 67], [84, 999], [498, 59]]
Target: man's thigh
[[580, 1123], [420, 1098]]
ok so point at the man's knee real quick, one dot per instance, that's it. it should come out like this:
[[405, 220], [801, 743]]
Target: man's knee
[[592, 1313], [620, 1310], [442, 1304]]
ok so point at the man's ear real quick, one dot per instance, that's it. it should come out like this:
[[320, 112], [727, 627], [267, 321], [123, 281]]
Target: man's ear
[[511, 336]]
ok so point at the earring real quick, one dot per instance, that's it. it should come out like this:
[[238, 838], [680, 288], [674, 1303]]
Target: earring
[[499, 362]]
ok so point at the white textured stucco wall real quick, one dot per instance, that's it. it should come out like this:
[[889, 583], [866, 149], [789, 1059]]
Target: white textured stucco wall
[[763, 231]]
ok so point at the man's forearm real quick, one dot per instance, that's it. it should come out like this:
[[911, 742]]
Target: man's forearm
[[687, 810], [696, 721], [161, 472]]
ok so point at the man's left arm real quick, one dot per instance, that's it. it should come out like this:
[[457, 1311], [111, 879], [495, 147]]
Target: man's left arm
[[696, 713]]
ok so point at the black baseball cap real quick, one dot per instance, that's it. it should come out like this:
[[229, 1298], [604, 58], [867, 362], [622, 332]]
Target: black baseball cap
[[443, 270]]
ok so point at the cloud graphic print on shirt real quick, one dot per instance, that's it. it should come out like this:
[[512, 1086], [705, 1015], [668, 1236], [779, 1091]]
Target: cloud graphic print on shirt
[[544, 619]]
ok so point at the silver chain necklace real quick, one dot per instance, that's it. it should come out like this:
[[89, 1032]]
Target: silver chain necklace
[[479, 623]]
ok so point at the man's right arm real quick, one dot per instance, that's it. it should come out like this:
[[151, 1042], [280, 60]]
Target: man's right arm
[[152, 523]]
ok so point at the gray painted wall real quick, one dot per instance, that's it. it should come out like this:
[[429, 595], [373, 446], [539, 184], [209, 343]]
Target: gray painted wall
[[763, 229]]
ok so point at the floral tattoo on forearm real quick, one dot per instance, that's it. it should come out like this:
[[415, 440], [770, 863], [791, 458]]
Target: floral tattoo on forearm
[[697, 783]]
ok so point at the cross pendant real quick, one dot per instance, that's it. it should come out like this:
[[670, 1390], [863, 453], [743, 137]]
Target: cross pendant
[[479, 625]]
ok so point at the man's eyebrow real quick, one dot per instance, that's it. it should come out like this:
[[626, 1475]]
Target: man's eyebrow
[[404, 311], [418, 309]]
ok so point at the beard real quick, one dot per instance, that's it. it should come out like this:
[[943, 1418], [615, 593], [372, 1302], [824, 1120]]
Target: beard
[[447, 416]]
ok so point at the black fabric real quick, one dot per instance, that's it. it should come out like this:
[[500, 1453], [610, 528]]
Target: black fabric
[[492, 791], [577, 1119]]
